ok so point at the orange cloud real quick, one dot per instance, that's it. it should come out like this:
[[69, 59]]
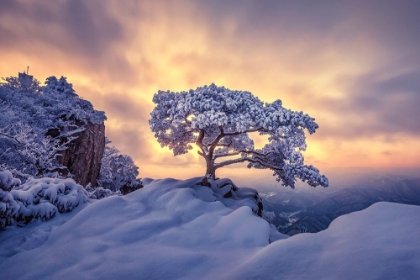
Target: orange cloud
[[123, 53]]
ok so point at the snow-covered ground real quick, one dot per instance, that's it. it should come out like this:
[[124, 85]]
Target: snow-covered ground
[[168, 230]]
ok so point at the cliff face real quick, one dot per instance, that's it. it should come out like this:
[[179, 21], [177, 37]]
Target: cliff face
[[84, 154]]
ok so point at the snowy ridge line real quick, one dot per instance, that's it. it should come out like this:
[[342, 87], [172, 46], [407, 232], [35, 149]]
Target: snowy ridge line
[[175, 229]]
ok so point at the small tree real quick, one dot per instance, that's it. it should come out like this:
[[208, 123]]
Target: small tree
[[218, 121], [118, 172]]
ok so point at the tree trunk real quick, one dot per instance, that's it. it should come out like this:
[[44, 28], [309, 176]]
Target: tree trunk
[[211, 171]]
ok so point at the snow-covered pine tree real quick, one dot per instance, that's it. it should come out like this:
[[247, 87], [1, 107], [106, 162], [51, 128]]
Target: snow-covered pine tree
[[219, 120], [118, 171]]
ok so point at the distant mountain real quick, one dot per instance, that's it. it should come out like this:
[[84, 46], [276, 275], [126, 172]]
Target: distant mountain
[[294, 213]]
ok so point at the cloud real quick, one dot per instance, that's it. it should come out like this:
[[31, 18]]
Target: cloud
[[377, 103], [72, 26], [351, 65], [76, 34], [127, 125]]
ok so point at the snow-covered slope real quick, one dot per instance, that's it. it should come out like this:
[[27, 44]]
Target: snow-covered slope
[[169, 230]]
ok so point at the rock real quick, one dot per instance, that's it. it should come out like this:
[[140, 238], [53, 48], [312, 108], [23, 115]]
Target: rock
[[228, 194], [226, 189], [126, 189], [84, 154], [205, 182]]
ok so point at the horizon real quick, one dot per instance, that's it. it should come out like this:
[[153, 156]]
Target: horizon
[[353, 67]]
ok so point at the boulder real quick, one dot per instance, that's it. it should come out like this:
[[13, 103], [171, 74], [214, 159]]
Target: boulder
[[227, 192]]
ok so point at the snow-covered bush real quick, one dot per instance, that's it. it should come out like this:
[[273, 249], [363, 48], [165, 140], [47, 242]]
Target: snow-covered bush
[[219, 120], [99, 192], [8, 206], [36, 198], [38, 122], [118, 172]]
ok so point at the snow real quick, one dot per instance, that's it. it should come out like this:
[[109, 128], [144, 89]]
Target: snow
[[36, 198], [381, 242], [117, 170], [219, 120], [6, 179], [31, 114], [64, 194], [174, 229]]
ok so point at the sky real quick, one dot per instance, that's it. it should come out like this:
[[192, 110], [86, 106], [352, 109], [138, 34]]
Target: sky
[[352, 65]]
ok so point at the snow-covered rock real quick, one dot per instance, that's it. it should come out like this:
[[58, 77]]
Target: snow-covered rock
[[49, 129], [174, 229], [225, 191]]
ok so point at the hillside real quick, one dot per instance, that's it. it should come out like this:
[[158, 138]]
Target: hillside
[[178, 230]]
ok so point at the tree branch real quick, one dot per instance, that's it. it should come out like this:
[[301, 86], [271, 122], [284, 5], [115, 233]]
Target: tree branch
[[201, 154], [226, 155], [216, 142], [253, 160], [244, 152], [199, 141], [4, 152], [222, 134], [229, 162], [10, 137]]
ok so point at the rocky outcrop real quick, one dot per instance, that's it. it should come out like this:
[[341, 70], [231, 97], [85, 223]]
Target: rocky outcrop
[[84, 154], [227, 192]]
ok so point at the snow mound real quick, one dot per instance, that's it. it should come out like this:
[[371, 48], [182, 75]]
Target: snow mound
[[174, 229], [36, 198], [381, 242]]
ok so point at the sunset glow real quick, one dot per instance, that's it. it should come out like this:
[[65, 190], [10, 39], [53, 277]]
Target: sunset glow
[[353, 66]]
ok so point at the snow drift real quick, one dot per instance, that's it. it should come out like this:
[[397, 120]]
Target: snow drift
[[178, 230]]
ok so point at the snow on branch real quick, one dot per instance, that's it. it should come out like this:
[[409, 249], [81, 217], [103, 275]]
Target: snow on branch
[[219, 121], [118, 172]]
